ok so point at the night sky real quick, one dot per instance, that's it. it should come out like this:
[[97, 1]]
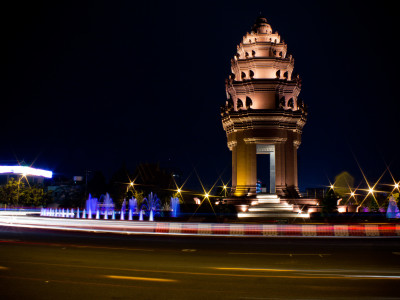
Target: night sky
[[91, 85]]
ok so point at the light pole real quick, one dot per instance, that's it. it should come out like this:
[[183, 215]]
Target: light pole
[[19, 182]]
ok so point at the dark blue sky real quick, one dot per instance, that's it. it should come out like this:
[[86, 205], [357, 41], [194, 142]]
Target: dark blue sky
[[89, 85]]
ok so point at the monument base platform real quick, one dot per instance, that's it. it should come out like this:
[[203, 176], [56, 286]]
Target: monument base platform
[[271, 206]]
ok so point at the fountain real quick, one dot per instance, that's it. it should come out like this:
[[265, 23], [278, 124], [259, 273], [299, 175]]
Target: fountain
[[107, 201], [106, 205], [133, 205], [174, 204], [151, 203], [91, 205], [392, 210], [105, 209], [123, 206]]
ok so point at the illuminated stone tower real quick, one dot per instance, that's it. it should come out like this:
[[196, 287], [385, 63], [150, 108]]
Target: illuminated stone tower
[[263, 113]]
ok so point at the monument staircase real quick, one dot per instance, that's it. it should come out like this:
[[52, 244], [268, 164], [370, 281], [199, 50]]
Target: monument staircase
[[268, 206]]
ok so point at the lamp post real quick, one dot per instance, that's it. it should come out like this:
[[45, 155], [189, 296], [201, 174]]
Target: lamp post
[[19, 182]]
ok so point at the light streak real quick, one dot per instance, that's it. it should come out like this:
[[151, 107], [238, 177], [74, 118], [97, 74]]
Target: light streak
[[251, 269], [151, 228], [396, 184], [370, 188], [280, 254], [206, 194], [179, 189], [25, 171], [140, 278], [326, 274]]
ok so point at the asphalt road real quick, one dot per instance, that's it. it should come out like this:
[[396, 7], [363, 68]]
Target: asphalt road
[[40, 264]]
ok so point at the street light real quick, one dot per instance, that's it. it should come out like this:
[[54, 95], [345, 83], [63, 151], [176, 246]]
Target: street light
[[130, 185]]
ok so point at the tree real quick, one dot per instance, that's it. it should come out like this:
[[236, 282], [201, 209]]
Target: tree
[[15, 192], [70, 195], [329, 203], [119, 184], [97, 185], [12, 192], [138, 195], [396, 198], [152, 178], [372, 204], [343, 182]]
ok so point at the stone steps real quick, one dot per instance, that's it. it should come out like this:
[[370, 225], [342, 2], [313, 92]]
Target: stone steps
[[270, 206], [268, 199], [273, 215], [275, 208]]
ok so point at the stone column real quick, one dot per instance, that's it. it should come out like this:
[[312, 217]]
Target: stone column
[[289, 148], [234, 168], [296, 145], [280, 168], [252, 164], [272, 172]]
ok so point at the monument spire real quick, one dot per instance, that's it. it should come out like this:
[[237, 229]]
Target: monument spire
[[263, 113]]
